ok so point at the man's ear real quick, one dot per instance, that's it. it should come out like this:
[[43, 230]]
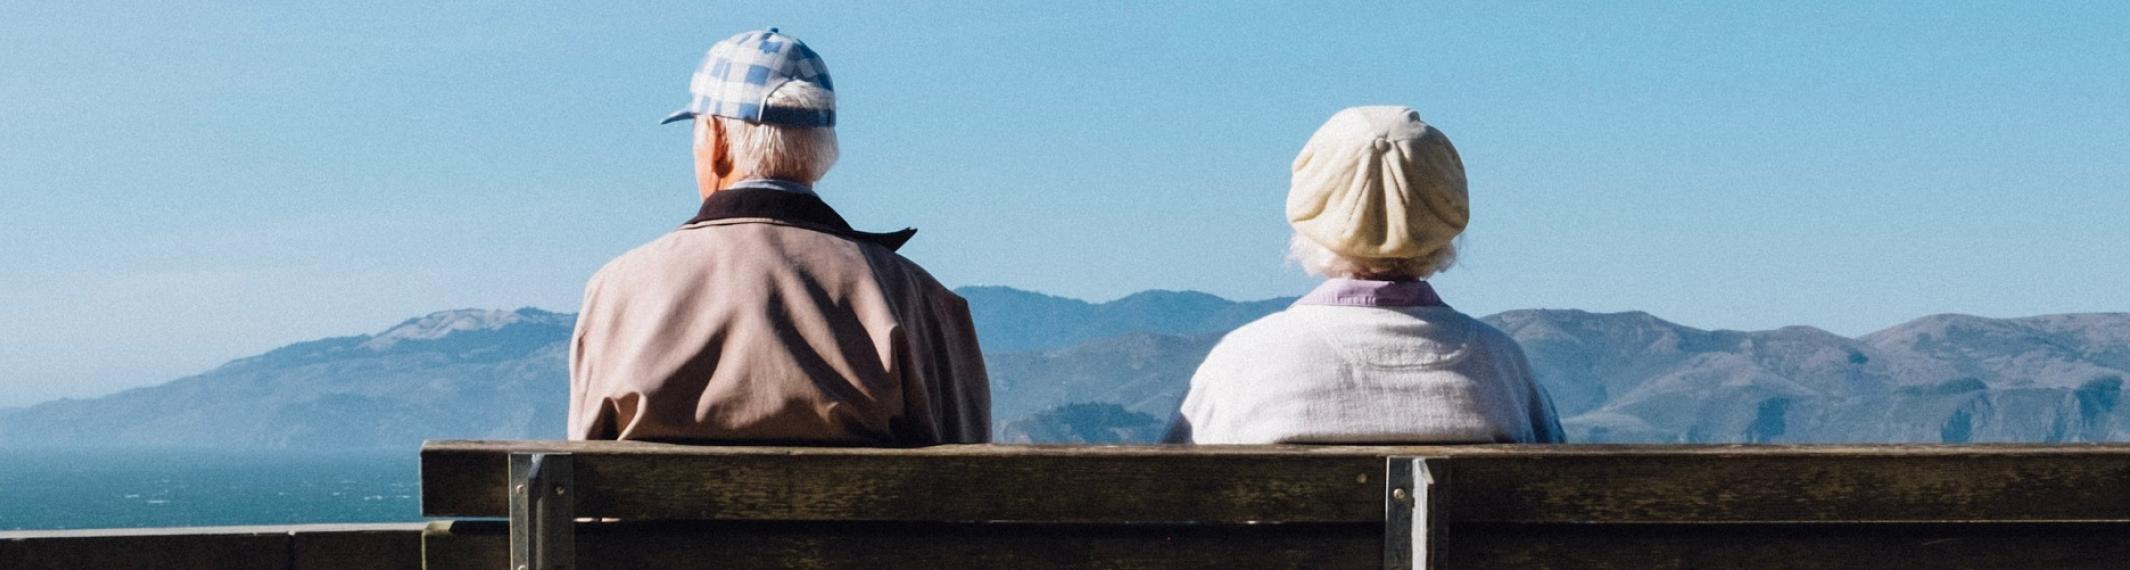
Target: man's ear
[[720, 151]]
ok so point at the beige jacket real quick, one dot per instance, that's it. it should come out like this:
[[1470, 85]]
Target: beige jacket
[[768, 320]]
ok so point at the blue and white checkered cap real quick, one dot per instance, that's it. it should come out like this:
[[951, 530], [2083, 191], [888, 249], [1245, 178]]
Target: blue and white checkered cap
[[739, 74]]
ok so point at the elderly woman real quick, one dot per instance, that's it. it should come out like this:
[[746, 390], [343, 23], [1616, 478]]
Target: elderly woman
[[1372, 355]]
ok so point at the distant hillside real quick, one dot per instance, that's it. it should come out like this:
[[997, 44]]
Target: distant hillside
[[2057, 351], [1070, 371], [1146, 373], [468, 373], [1012, 320], [1632, 377], [1084, 423]]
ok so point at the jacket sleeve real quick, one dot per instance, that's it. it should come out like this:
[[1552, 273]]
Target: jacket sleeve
[[1545, 424], [1196, 413], [1179, 430], [584, 408], [964, 387]]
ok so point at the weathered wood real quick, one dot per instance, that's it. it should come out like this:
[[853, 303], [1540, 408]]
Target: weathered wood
[[1219, 484], [1019, 546], [290, 547], [1877, 546], [647, 448], [231, 551], [395, 548], [1880, 507], [1787, 486], [960, 483]]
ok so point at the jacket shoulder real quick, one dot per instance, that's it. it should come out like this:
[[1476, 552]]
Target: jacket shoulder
[[890, 265], [1269, 342], [646, 254]]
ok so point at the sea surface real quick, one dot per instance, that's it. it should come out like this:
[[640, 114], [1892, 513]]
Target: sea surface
[[76, 489]]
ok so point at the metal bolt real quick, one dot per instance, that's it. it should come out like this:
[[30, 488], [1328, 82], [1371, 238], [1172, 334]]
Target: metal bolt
[[1362, 478], [559, 490], [520, 489], [1401, 496], [522, 567]]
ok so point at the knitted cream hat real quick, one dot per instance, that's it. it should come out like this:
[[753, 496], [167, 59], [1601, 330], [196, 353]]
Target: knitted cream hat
[[1377, 182]]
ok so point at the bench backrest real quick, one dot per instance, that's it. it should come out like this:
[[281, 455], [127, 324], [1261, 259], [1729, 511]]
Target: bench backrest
[[1462, 506]]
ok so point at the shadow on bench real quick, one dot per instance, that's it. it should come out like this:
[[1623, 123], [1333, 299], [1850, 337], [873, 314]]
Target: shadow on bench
[[1275, 506]]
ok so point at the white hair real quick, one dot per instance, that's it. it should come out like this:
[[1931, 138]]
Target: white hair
[[1317, 260], [765, 150]]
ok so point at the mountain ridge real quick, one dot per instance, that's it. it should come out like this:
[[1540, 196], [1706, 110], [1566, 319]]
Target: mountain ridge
[[1069, 370], [1015, 320]]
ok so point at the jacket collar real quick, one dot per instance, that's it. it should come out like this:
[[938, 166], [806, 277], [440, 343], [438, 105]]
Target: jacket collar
[[1369, 293], [773, 184], [800, 209]]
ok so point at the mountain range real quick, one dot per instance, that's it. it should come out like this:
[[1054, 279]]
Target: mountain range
[[1065, 370]]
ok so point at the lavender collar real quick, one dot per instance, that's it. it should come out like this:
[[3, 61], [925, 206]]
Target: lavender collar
[[1366, 293]]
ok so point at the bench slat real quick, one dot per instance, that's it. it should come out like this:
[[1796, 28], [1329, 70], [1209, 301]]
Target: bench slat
[[1235, 547], [1495, 484], [815, 484], [928, 545], [284, 547], [2041, 485], [1875, 546]]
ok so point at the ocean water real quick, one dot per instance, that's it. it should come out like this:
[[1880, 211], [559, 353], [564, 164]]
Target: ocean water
[[75, 489]]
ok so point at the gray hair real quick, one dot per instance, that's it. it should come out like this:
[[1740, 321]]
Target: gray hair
[[1316, 260], [764, 150]]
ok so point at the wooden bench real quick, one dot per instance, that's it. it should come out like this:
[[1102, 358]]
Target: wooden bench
[[387, 546], [1025, 507]]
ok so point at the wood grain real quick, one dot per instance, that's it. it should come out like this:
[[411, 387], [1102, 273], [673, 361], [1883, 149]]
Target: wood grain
[[980, 484], [294, 547], [1216, 484], [1787, 487], [1793, 546], [1018, 546]]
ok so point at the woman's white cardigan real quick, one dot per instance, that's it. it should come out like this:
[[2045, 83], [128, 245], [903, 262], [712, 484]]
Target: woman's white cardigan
[[1358, 374]]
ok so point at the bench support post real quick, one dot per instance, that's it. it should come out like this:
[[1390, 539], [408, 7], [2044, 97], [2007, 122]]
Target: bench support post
[[542, 512], [1413, 512]]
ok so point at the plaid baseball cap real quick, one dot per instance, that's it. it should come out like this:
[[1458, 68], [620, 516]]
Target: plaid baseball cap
[[738, 75]]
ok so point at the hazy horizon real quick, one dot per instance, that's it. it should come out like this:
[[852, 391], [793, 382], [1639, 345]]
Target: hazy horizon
[[7, 402], [187, 185]]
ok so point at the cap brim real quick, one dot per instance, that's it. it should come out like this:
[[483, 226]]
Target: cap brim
[[682, 115]]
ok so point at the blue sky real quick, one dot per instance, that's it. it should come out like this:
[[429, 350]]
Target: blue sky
[[180, 186]]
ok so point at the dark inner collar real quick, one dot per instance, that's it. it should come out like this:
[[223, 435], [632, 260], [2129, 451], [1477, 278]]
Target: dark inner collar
[[783, 206]]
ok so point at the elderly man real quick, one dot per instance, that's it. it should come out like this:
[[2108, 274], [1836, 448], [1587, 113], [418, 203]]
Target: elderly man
[[766, 318]]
